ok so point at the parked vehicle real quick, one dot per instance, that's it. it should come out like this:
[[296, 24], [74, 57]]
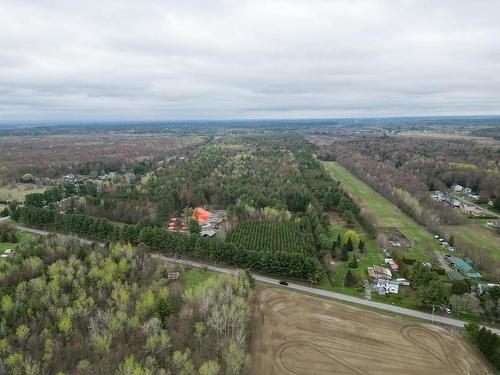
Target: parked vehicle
[[445, 309]]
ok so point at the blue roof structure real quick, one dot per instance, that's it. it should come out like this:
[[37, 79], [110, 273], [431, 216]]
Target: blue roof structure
[[474, 275], [455, 275], [461, 264]]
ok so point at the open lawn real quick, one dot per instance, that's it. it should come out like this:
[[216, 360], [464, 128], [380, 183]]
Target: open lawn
[[476, 234], [195, 277], [299, 334], [462, 165], [385, 212], [17, 192], [21, 237], [372, 255]]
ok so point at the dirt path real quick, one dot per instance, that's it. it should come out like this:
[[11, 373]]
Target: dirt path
[[298, 334]]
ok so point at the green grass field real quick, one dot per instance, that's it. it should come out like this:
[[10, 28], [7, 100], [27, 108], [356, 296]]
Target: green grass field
[[385, 212], [372, 255], [476, 234], [19, 191], [462, 165], [195, 277], [21, 236]]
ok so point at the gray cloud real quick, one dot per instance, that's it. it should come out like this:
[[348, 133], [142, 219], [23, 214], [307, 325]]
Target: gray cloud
[[247, 59]]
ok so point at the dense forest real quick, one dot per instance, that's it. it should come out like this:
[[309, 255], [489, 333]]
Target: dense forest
[[68, 308], [272, 183]]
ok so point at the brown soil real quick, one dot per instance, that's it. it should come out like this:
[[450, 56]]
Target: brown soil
[[334, 217], [298, 334]]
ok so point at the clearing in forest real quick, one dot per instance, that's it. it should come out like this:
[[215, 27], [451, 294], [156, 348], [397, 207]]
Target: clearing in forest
[[298, 334], [17, 192], [384, 211]]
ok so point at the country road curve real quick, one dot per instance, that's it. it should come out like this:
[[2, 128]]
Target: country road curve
[[293, 286]]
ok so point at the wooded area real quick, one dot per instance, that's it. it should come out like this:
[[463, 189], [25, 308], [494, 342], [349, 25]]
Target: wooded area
[[68, 308]]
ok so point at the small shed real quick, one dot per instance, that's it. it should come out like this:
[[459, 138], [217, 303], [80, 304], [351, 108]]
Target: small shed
[[473, 275], [207, 233]]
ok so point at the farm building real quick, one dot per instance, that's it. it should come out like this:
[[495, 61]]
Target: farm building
[[392, 264], [455, 275], [203, 215], [462, 266], [172, 224], [207, 233], [378, 272], [403, 281], [473, 275]]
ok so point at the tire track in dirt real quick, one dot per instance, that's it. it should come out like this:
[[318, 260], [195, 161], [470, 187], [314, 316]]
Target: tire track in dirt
[[299, 334]]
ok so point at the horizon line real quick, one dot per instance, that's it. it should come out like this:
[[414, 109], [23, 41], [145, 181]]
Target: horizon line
[[49, 122]]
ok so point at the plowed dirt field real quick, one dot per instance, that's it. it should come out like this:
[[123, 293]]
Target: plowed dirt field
[[298, 334]]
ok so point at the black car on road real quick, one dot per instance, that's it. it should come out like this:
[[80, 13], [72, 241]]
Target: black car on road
[[283, 282]]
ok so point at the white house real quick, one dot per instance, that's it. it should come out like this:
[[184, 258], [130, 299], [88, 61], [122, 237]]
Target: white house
[[457, 188], [386, 286], [482, 287]]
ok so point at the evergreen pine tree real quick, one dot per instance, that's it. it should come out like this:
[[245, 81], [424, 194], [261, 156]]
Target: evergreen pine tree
[[345, 254], [361, 246], [350, 279], [333, 249], [354, 262], [12, 237], [349, 245]]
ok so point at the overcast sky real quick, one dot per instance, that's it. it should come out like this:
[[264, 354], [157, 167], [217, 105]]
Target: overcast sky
[[247, 59]]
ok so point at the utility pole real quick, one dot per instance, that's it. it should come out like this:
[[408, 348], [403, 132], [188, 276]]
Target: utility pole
[[433, 308]]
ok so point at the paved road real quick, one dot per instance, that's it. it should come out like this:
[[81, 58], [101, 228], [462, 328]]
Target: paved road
[[293, 286], [45, 233], [327, 293]]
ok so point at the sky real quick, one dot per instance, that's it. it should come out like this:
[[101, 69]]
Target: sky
[[217, 59]]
